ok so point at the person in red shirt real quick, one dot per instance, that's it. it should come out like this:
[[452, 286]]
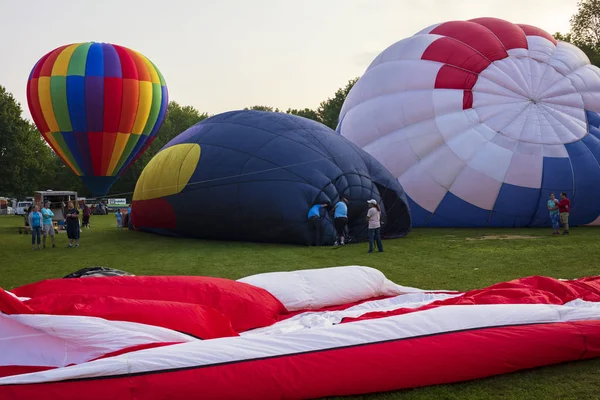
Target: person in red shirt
[[564, 207]]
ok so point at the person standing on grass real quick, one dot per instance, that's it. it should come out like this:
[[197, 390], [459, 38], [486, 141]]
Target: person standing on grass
[[314, 224], [48, 228], [554, 214], [340, 220], [36, 223], [119, 217], [374, 223], [564, 207], [72, 216], [86, 216]]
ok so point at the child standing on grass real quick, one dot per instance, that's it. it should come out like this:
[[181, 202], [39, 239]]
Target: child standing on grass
[[119, 217]]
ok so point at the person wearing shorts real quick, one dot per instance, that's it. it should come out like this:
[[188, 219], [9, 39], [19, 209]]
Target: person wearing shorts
[[48, 228], [554, 214], [340, 220], [72, 216], [564, 207]]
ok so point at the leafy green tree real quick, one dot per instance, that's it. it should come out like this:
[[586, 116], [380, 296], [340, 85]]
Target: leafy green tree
[[585, 24], [329, 110], [585, 30], [63, 178], [26, 162], [262, 108], [306, 113], [564, 37]]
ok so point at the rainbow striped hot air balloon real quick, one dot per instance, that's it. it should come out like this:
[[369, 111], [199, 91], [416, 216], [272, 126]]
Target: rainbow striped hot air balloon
[[99, 106]]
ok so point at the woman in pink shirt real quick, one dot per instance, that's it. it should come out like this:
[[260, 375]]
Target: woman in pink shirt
[[374, 222]]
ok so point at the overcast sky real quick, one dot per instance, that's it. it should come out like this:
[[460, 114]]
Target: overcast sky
[[220, 55]]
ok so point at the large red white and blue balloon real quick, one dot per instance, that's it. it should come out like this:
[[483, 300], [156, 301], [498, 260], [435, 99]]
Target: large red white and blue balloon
[[480, 121]]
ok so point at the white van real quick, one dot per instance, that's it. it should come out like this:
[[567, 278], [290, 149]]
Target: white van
[[22, 207]]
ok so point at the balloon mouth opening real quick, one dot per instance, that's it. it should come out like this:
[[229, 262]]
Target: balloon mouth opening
[[99, 185]]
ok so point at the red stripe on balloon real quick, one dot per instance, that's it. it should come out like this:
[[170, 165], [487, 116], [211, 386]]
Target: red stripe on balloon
[[140, 65], [95, 141], [131, 91], [442, 358], [46, 69], [38, 67], [510, 35], [535, 31], [10, 370], [128, 69], [35, 107], [474, 35], [450, 51], [467, 100], [113, 98], [450, 77]]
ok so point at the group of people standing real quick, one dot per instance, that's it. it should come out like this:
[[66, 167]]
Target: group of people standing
[[41, 225], [340, 222], [559, 213]]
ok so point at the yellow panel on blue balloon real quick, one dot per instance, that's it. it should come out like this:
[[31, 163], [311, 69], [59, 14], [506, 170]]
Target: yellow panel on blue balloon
[[159, 180]]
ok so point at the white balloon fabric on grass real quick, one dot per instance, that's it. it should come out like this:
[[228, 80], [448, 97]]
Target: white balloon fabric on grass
[[312, 289], [480, 121]]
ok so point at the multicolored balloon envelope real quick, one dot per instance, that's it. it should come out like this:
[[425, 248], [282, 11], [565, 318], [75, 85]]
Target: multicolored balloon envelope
[[480, 121], [253, 176], [99, 106]]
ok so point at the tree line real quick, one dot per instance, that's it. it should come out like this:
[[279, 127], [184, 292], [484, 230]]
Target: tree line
[[27, 163]]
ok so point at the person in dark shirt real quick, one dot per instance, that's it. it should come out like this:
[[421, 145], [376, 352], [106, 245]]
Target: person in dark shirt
[[86, 216], [564, 207], [72, 216]]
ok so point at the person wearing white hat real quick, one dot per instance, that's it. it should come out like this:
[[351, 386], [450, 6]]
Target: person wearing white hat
[[374, 222]]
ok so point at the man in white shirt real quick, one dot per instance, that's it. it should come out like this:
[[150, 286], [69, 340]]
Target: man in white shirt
[[374, 223]]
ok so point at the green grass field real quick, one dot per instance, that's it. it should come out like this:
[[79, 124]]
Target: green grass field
[[428, 258]]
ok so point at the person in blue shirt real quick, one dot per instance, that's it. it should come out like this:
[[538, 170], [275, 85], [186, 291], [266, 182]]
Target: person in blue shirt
[[48, 229], [36, 223], [340, 220], [554, 214], [314, 224]]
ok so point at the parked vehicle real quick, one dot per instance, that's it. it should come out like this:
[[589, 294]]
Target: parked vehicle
[[23, 207], [58, 201]]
